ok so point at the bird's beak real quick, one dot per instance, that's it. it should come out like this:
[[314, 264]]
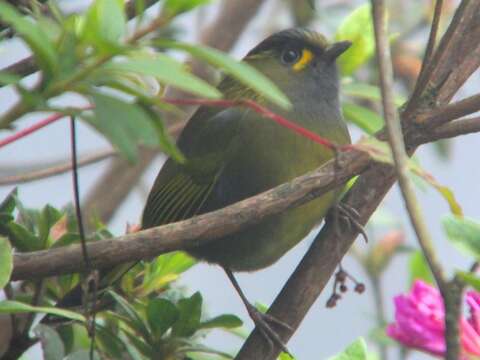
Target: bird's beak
[[336, 49]]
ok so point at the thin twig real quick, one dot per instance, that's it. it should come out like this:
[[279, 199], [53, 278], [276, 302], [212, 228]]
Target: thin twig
[[379, 311], [22, 133], [450, 294], [91, 277], [266, 113], [260, 109], [57, 169], [76, 193], [395, 138]]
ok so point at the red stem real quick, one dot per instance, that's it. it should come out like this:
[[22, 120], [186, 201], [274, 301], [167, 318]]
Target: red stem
[[218, 103], [31, 129], [264, 112]]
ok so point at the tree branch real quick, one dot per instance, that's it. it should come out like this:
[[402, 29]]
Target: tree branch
[[194, 231], [453, 129], [57, 169], [444, 114]]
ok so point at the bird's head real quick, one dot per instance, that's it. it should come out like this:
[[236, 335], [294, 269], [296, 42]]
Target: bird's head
[[300, 62]]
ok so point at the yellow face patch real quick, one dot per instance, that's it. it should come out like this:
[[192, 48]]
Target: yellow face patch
[[304, 60]]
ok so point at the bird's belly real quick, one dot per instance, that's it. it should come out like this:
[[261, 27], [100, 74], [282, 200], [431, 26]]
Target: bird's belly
[[262, 244]]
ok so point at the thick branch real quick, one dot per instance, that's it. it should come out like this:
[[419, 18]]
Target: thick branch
[[450, 130], [191, 232], [444, 114]]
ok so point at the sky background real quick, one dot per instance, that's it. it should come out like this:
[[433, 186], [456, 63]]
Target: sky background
[[324, 332]]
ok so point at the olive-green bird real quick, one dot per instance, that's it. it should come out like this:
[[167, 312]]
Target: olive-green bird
[[234, 153]]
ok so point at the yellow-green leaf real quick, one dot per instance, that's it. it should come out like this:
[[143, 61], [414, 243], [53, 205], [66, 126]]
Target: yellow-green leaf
[[167, 71], [6, 261], [443, 190], [358, 28], [464, 233], [243, 72], [14, 307], [364, 118], [37, 40]]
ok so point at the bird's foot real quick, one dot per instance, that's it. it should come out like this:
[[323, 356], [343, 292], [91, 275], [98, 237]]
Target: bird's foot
[[264, 323], [351, 217]]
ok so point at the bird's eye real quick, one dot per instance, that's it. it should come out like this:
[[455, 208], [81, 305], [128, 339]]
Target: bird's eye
[[290, 56]]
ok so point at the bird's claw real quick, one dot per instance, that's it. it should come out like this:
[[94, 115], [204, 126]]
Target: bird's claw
[[351, 217], [263, 323]]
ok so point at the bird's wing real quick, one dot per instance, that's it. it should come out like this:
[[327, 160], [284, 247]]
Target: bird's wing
[[181, 190]]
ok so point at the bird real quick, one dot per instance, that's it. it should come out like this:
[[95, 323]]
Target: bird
[[234, 153]]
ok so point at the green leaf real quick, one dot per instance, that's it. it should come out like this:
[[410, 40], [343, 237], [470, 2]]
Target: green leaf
[[7, 206], [172, 263], [471, 279], [139, 346], [464, 233], [167, 71], [378, 150], [52, 344], [15, 307], [109, 342], [23, 239], [134, 318], [355, 351], [189, 319], [48, 217], [8, 79], [358, 28], [163, 270], [167, 144], [419, 269], [33, 35], [161, 315], [364, 118], [124, 124], [285, 356], [176, 7], [9, 203], [443, 190], [227, 321], [6, 261], [242, 71], [105, 24]]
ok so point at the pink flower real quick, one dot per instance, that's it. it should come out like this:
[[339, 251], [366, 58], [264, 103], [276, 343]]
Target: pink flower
[[419, 321]]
